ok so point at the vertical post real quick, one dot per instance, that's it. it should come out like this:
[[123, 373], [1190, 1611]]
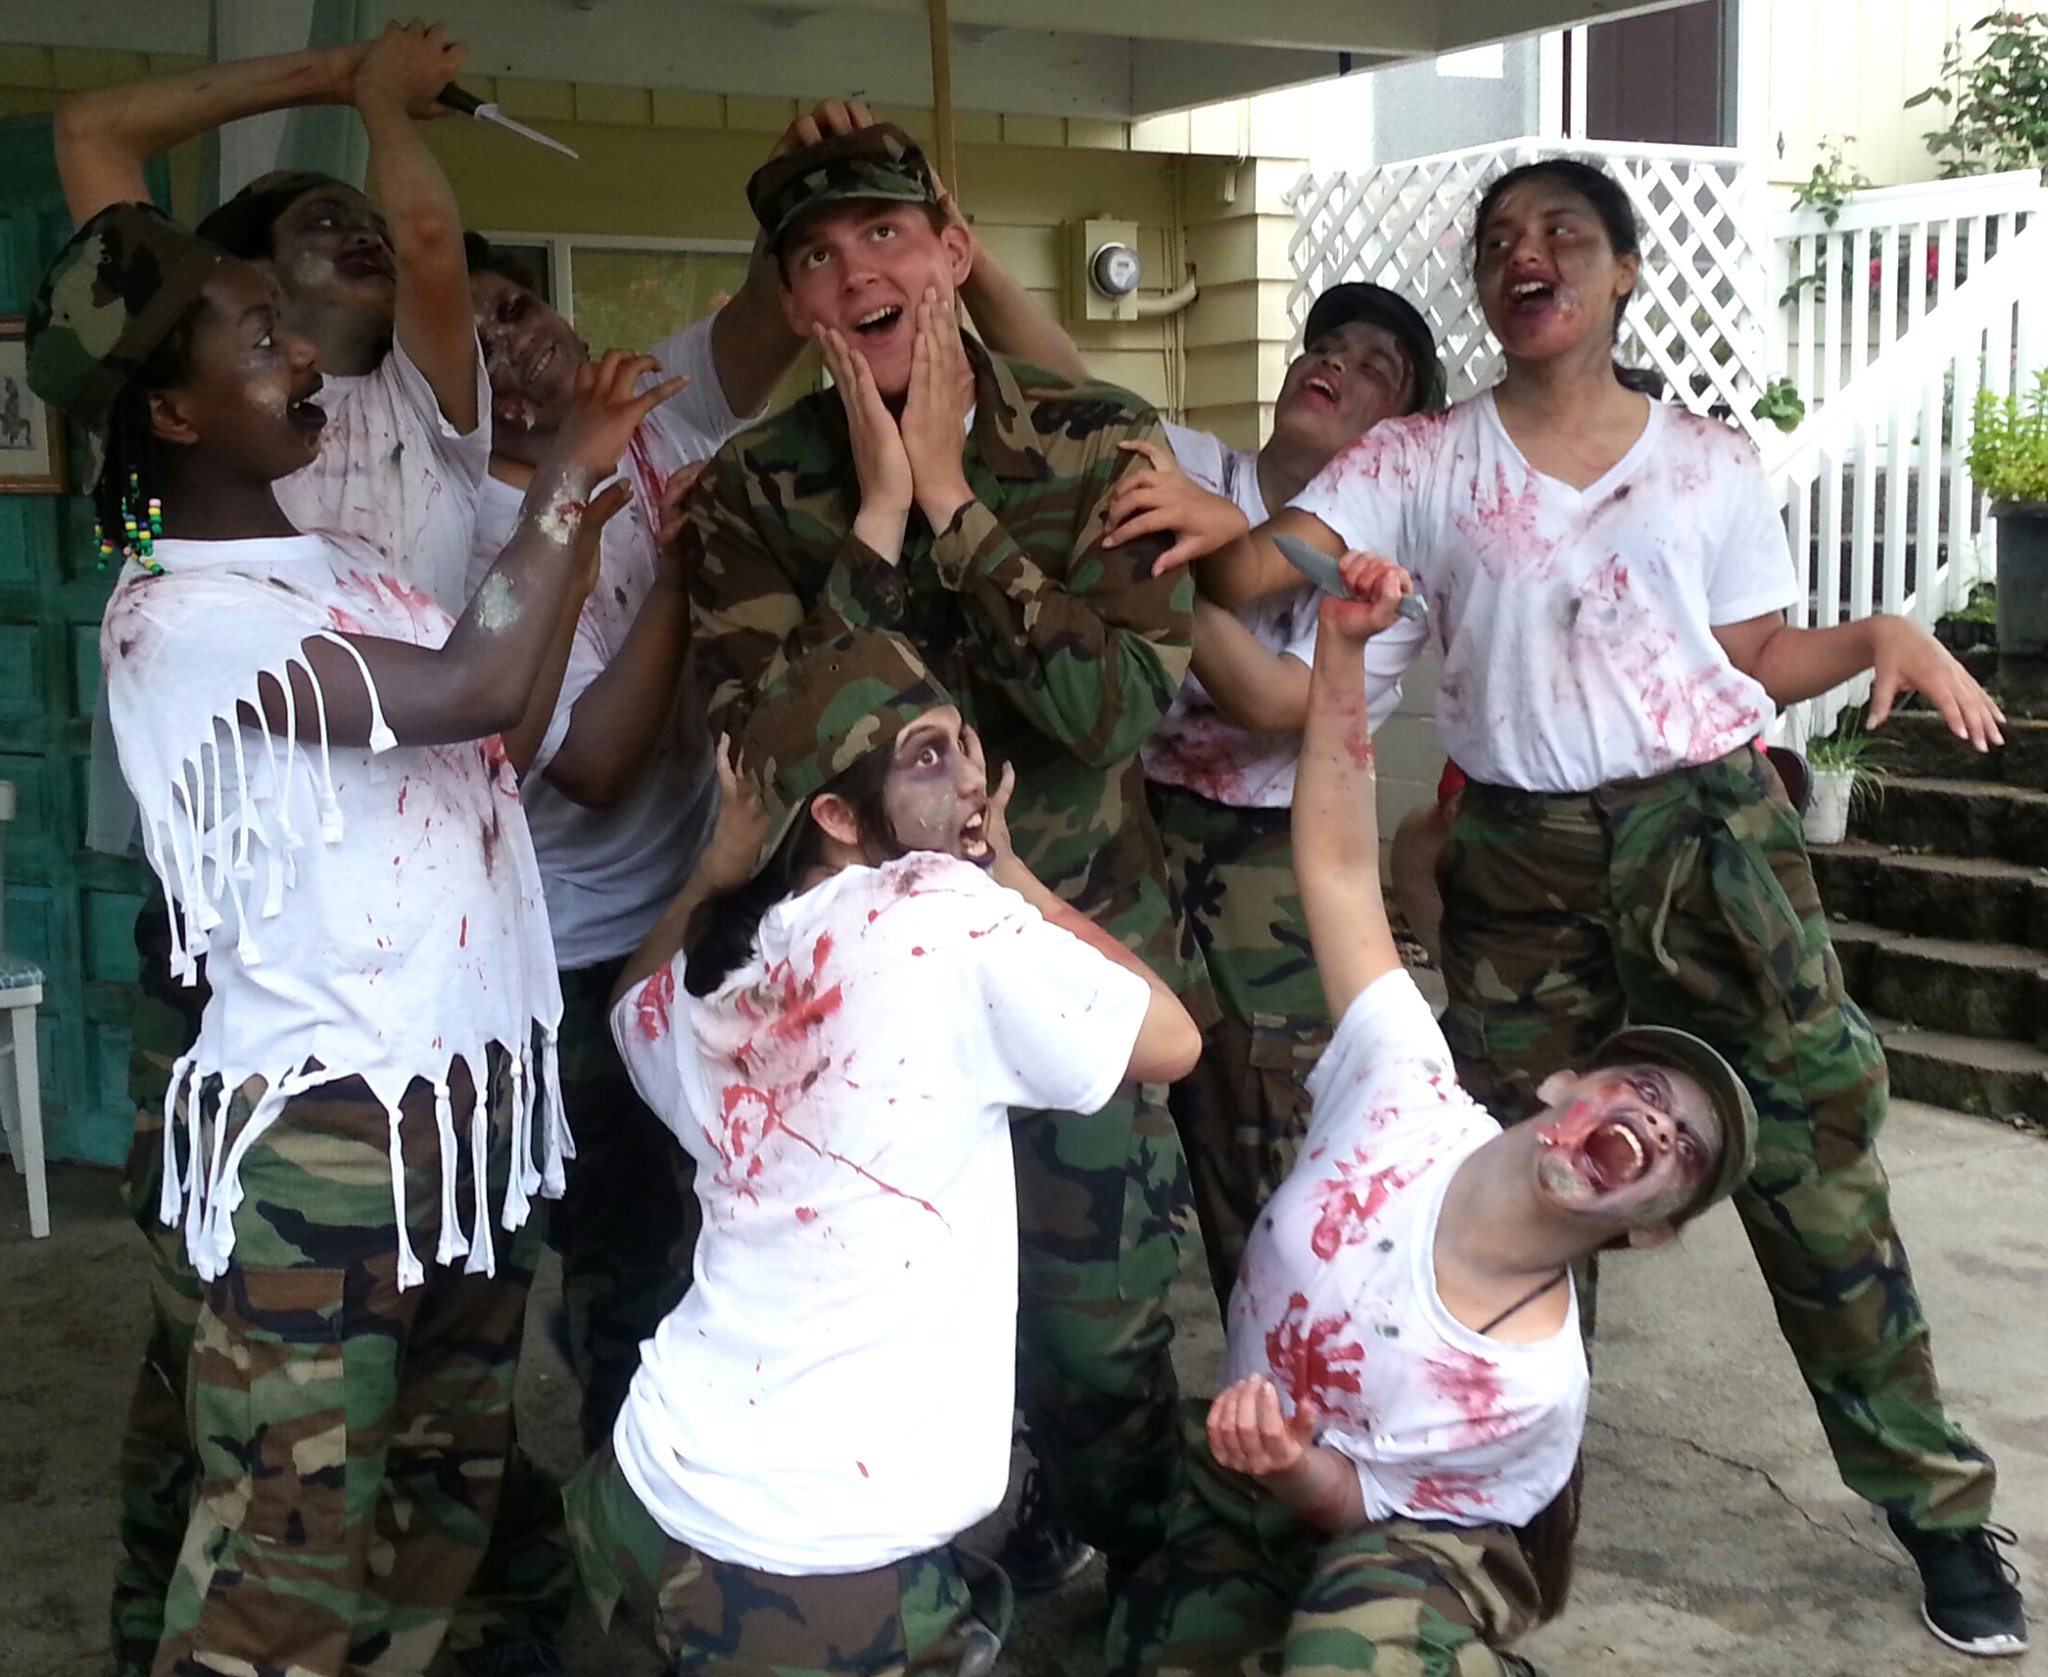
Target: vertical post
[[942, 94]]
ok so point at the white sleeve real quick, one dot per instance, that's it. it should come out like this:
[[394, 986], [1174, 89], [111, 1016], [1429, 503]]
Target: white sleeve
[[1361, 493], [697, 420], [1524, 1460], [1387, 1053], [1197, 453], [1750, 571], [467, 457], [651, 1025], [1061, 1018]]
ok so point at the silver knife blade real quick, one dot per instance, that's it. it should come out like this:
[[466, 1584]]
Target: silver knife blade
[[1322, 570], [490, 113]]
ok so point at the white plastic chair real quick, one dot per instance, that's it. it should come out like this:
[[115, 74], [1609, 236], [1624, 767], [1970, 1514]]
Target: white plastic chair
[[21, 1096]]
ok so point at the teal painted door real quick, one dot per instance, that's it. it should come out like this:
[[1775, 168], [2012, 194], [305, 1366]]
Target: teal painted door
[[68, 909]]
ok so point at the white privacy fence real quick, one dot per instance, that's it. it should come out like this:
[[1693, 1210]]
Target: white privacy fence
[[1886, 325]]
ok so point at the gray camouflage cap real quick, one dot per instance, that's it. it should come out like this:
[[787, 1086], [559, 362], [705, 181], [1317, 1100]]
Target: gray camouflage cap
[[825, 710], [877, 162], [114, 292]]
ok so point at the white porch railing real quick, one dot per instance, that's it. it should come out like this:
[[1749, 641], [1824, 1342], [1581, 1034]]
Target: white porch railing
[[1888, 324]]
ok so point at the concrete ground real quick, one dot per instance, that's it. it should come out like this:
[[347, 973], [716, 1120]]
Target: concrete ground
[[1717, 1537]]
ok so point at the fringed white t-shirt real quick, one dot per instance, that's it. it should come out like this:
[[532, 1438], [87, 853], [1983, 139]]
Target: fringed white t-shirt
[[370, 911]]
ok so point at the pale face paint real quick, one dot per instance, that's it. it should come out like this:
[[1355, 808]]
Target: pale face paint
[[561, 516]]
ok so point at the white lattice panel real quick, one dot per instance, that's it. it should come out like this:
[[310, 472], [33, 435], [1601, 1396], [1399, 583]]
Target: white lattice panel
[[1700, 313]]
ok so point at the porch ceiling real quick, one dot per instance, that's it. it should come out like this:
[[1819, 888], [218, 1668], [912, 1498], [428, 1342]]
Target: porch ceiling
[[1056, 57]]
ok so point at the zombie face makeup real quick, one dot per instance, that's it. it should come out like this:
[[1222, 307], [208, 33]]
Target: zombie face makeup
[[1547, 275], [1631, 1144], [531, 355], [332, 253], [249, 400], [1342, 385], [861, 268], [937, 791]]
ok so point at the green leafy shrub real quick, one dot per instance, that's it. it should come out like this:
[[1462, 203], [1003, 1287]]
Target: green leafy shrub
[[1996, 102], [2009, 444]]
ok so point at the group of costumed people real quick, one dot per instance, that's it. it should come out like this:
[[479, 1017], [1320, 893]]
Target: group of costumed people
[[887, 885]]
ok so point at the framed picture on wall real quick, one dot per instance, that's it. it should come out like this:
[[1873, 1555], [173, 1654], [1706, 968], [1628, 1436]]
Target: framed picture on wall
[[31, 431]]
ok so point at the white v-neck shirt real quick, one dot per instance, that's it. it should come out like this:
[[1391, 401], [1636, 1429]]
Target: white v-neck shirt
[[1576, 623]]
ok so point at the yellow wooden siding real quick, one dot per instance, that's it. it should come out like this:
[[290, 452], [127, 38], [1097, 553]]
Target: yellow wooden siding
[[1847, 67]]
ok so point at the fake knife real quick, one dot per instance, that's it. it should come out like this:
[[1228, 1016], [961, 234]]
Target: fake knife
[[1321, 570], [461, 99]]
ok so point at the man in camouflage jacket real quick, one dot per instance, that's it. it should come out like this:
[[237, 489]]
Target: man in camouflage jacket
[[861, 504]]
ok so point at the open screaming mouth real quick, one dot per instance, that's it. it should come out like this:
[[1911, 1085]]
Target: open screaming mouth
[[1614, 1156], [974, 835], [880, 322]]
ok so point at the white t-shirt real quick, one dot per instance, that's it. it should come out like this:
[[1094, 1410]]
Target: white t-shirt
[[394, 472], [371, 910], [1336, 1301], [1576, 624], [834, 1392], [610, 872], [1195, 745]]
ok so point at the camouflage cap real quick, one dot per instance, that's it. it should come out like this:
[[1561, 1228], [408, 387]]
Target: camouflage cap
[[1660, 1045], [242, 226], [822, 713], [875, 162], [113, 294]]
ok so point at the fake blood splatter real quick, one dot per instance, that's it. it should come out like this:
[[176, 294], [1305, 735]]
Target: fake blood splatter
[[1350, 1201], [1473, 1384], [1306, 1359], [657, 998], [1505, 531], [1447, 1493]]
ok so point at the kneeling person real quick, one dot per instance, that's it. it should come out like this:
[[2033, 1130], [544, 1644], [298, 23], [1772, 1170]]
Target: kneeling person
[[1389, 1483], [830, 1402]]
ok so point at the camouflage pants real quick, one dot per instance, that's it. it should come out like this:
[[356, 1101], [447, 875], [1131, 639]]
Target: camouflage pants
[[627, 1223], [1102, 1207], [1242, 1111], [523, 1589], [1688, 900], [352, 1437], [721, 1619], [1243, 1587]]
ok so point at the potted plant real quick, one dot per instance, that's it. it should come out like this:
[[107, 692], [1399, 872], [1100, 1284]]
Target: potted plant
[[1846, 768], [2009, 461]]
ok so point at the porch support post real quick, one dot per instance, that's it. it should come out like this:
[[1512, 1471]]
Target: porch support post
[[942, 94]]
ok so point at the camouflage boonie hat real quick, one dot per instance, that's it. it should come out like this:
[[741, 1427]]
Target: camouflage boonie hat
[[1660, 1045], [111, 296], [877, 162], [824, 712]]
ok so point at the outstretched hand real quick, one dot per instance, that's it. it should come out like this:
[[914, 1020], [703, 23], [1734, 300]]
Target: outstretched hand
[[1158, 498], [607, 409], [1909, 658], [1248, 1434], [742, 826]]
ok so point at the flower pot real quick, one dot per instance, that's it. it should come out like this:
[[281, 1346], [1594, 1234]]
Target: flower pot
[[1827, 808], [2022, 578]]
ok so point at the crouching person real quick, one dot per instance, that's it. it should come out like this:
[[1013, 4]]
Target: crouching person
[[1389, 1484], [837, 1037]]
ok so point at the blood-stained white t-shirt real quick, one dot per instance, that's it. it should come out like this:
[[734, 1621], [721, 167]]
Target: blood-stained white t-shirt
[[834, 1392], [1196, 746], [364, 910], [1576, 624], [393, 472], [610, 872], [1337, 1303]]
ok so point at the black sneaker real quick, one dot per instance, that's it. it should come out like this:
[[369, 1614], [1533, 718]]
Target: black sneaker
[[1040, 1554], [1973, 1592]]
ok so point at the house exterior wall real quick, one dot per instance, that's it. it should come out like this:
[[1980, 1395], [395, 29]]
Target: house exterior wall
[[1818, 88]]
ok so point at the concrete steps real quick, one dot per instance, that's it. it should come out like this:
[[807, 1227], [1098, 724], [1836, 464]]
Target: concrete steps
[[1938, 905]]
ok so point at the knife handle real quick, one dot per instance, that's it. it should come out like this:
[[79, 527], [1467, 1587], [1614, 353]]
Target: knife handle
[[458, 99]]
